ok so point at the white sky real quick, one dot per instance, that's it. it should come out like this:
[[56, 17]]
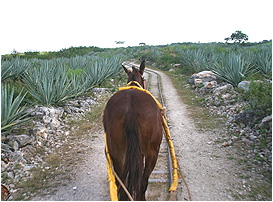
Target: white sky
[[38, 25]]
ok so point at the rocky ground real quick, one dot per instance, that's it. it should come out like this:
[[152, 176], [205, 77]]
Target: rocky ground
[[25, 150], [246, 126]]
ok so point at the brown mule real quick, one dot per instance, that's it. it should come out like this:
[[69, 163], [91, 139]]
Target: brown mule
[[133, 124]]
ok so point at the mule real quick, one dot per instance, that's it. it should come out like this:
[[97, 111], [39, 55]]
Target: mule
[[133, 124]]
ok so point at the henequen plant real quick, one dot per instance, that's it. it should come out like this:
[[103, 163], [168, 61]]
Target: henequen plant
[[12, 113], [232, 68], [48, 85], [53, 81], [263, 62], [14, 68]]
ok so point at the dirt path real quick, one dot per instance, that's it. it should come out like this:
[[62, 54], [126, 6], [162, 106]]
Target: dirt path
[[204, 164], [89, 182]]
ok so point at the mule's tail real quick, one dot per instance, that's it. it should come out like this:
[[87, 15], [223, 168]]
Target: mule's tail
[[133, 167]]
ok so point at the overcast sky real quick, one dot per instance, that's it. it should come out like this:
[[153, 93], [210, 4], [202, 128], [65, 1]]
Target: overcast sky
[[51, 25]]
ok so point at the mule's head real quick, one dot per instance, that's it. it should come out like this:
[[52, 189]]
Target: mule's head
[[136, 75]]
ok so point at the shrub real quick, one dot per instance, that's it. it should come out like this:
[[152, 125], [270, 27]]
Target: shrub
[[259, 96]]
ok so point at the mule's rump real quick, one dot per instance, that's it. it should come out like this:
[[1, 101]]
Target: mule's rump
[[133, 124], [139, 107]]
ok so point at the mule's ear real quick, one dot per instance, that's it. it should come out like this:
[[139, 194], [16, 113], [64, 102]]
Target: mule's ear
[[126, 70], [142, 67]]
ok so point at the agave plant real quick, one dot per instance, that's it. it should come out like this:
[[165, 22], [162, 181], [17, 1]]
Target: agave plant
[[232, 68], [6, 67], [12, 113], [48, 85], [14, 68], [263, 62], [102, 69]]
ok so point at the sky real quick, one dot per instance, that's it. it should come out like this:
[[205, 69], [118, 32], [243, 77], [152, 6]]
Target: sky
[[51, 25]]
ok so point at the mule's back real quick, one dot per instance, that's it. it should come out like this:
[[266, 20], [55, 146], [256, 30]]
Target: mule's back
[[132, 121], [133, 104]]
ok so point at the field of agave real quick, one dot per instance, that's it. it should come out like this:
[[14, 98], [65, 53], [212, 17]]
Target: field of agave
[[49, 82], [230, 63]]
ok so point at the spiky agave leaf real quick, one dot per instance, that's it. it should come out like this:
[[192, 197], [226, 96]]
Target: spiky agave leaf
[[12, 113]]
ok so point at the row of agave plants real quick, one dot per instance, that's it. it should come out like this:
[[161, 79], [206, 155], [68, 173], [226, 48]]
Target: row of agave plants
[[49, 82], [232, 66], [230, 63]]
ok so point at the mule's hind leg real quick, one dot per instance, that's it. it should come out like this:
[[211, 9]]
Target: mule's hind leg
[[150, 162]]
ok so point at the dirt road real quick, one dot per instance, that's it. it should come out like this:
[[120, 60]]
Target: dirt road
[[204, 164], [208, 172]]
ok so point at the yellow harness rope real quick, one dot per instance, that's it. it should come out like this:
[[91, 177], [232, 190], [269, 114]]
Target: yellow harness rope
[[111, 178]]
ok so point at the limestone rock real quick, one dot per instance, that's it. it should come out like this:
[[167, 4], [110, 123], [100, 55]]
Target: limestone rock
[[205, 76], [22, 140], [245, 117], [223, 89], [244, 85], [266, 122]]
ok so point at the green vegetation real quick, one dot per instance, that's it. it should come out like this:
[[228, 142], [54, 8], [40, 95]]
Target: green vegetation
[[237, 37], [49, 78], [12, 113], [259, 96], [50, 82]]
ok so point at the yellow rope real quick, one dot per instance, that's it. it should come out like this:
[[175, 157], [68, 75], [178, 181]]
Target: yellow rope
[[111, 178]]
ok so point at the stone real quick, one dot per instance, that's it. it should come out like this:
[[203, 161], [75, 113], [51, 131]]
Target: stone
[[244, 85], [17, 157], [223, 89], [171, 70], [198, 82], [3, 166], [15, 145], [177, 65], [5, 147], [225, 144], [27, 168], [265, 123], [100, 90], [210, 84], [205, 76], [226, 96], [54, 123], [22, 140], [246, 117], [38, 130], [10, 175], [246, 141]]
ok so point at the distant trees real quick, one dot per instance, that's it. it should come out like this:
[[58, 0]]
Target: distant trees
[[119, 42], [237, 37]]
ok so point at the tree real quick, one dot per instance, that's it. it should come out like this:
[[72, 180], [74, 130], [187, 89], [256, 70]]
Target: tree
[[119, 42], [238, 37]]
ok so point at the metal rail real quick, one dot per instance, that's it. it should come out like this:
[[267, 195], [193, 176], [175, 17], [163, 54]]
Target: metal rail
[[162, 103]]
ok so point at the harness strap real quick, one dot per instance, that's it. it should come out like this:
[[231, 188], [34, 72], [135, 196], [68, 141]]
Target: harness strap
[[139, 87], [111, 178]]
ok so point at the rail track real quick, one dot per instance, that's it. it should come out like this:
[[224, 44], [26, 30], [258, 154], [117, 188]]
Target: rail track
[[161, 177]]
